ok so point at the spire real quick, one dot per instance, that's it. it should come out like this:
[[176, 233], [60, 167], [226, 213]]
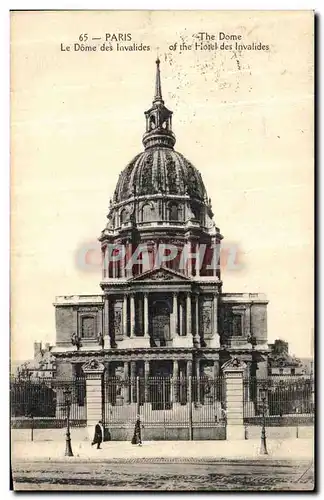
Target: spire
[[158, 119], [158, 90]]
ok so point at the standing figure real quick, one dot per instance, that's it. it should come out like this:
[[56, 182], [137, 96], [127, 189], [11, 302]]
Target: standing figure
[[137, 438], [98, 435]]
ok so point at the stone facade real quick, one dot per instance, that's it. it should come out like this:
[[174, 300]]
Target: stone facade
[[158, 316]]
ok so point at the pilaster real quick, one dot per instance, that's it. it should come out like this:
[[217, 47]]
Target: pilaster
[[233, 371], [93, 371]]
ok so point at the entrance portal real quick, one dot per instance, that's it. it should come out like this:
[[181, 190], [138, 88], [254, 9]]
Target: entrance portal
[[160, 323], [160, 393]]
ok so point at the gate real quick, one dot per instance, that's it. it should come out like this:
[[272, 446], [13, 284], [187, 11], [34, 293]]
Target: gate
[[169, 409]]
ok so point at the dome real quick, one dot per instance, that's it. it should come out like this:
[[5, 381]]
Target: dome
[[159, 187], [159, 170]]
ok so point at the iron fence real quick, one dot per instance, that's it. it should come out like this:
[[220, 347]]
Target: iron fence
[[164, 401], [280, 398], [41, 402]]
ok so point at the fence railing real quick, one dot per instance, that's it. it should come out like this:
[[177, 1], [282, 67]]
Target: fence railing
[[44, 401], [278, 397], [163, 400]]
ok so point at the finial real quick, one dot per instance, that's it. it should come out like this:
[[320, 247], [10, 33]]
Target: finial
[[158, 90]]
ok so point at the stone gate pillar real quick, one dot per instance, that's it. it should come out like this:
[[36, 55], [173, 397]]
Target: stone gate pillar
[[93, 371], [233, 371]]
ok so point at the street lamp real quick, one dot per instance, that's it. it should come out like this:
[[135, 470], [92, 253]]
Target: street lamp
[[263, 396], [68, 447]]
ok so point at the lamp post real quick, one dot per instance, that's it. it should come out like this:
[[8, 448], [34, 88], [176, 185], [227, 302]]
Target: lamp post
[[68, 447], [263, 395]]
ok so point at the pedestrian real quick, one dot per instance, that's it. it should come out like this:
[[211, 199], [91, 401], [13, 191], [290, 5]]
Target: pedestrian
[[223, 413], [137, 437], [98, 435]]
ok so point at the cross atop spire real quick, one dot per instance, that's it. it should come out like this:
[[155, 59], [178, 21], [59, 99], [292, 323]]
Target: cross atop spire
[[158, 90]]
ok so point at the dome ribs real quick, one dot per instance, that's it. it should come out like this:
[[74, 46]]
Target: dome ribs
[[160, 170], [146, 177], [181, 174], [171, 174], [159, 177]]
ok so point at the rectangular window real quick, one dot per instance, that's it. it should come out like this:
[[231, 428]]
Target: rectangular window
[[237, 325], [88, 327]]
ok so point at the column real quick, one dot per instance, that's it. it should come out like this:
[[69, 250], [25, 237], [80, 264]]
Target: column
[[233, 372], [146, 324], [125, 316], [103, 257], [106, 323], [197, 337], [174, 316], [93, 371], [189, 261], [113, 269], [126, 383], [216, 342], [188, 314], [247, 382], [146, 381], [132, 315], [197, 260], [198, 381], [128, 272], [215, 257], [189, 374], [132, 381], [216, 369], [215, 329], [155, 249], [180, 317], [217, 382], [122, 264], [175, 380]]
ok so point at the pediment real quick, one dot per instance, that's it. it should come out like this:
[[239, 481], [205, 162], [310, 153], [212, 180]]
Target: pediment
[[161, 274]]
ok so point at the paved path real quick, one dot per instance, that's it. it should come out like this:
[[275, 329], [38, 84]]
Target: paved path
[[298, 449], [148, 475]]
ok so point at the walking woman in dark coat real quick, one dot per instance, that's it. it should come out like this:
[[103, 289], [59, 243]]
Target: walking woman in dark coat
[[98, 435], [137, 437]]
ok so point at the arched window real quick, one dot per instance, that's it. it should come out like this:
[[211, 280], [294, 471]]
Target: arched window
[[152, 123], [173, 212], [147, 212], [88, 327], [123, 216], [196, 212]]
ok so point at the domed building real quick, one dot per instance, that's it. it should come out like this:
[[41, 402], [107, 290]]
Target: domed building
[[161, 311]]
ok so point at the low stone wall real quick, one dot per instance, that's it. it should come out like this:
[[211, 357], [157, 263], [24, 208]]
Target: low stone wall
[[158, 433], [284, 421], [44, 423], [169, 433], [301, 432], [124, 433]]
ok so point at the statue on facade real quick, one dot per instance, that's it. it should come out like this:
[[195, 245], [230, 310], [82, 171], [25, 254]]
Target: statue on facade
[[75, 340]]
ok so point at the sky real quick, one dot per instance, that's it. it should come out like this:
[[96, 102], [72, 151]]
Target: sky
[[243, 118]]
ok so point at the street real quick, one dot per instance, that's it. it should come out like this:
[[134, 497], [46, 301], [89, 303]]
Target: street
[[165, 474]]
